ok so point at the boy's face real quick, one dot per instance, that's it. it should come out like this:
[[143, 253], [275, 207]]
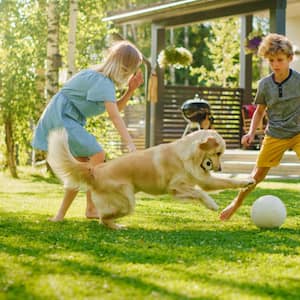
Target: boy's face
[[279, 63]]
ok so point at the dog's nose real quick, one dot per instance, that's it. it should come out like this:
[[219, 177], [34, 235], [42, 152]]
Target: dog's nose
[[217, 169]]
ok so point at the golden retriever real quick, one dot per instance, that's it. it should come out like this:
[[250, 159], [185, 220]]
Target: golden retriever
[[180, 168]]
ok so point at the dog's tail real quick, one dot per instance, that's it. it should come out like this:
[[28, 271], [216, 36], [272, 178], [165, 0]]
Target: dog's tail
[[71, 171]]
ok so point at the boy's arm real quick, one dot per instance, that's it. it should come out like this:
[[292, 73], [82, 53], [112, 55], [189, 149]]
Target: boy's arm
[[257, 118], [255, 122]]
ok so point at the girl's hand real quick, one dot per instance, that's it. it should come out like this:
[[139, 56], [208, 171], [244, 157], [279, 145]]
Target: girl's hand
[[131, 147], [135, 80]]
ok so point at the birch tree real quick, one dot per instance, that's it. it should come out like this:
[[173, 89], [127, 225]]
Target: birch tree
[[53, 56], [72, 37], [21, 34]]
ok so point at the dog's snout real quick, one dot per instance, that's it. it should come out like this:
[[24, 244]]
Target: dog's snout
[[218, 168]]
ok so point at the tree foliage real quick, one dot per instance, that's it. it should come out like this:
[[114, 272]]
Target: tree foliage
[[20, 56], [223, 55]]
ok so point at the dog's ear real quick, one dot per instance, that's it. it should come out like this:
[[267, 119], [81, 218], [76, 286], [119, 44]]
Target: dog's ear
[[190, 150], [208, 144]]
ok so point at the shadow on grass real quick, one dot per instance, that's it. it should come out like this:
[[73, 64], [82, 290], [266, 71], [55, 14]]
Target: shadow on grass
[[29, 236], [42, 248], [47, 179]]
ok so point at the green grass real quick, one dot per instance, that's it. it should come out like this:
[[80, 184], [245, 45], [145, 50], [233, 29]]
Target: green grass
[[171, 250]]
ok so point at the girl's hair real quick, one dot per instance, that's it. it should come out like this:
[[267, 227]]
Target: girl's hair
[[274, 44], [122, 60]]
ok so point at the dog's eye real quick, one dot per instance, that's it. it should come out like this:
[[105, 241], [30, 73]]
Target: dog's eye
[[219, 153], [207, 164]]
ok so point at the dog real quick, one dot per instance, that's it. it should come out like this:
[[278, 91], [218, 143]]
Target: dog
[[180, 168]]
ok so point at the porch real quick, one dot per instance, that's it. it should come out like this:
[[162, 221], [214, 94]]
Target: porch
[[225, 106], [225, 103], [163, 119]]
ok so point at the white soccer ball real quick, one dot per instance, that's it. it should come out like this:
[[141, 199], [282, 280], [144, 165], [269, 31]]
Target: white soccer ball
[[268, 212]]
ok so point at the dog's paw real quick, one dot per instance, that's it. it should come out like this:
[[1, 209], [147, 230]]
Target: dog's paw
[[210, 204], [112, 225], [214, 206], [248, 182]]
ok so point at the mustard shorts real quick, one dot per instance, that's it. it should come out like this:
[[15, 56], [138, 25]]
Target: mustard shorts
[[273, 149]]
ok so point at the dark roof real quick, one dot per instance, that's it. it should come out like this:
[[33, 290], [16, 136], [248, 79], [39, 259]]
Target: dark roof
[[189, 11]]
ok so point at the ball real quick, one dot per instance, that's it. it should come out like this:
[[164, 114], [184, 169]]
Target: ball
[[268, 212]]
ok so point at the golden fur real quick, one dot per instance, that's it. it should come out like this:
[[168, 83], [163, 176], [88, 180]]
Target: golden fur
[[181, 168]]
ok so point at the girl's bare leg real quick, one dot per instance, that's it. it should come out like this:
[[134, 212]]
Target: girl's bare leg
[[258, 174], [91, 211], [69, 196]]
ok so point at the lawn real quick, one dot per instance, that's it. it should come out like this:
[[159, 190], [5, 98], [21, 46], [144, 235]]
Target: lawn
[[171, 249]]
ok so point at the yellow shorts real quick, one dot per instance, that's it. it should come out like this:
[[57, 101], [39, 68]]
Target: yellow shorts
[[273, 149]]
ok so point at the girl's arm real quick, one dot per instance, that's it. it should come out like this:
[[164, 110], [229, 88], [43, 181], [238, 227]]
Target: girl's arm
[[134, 82], [114, 115]]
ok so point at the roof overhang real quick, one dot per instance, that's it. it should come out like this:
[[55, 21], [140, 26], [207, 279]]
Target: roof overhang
[[189, 11]]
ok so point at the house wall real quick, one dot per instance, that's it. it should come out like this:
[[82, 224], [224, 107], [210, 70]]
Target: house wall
[[292, 28], [292, 32]]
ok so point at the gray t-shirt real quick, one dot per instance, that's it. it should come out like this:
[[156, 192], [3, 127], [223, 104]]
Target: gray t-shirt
[[283, 104]]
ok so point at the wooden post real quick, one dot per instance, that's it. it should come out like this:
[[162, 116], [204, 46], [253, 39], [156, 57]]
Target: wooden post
[[246, 61], [156, 109], [278, 17]]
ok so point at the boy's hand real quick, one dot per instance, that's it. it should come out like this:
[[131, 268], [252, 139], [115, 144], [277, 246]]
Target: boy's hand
[[247, 139]]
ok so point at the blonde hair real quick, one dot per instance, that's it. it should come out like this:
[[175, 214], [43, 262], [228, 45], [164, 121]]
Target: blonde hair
[[122, 60], [274, 44]]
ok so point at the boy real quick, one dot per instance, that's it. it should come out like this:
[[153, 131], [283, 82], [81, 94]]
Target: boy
[[279, 96]]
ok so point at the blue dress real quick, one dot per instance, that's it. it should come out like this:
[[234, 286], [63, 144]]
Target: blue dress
[[81, 97]]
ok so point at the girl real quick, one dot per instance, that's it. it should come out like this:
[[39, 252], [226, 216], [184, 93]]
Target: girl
[[90, 93]]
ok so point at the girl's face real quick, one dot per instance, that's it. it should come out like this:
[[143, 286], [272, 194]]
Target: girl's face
[[279, 63]]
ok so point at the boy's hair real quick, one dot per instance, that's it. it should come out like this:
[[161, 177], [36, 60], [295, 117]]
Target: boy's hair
[[274, 44], [122, 60]]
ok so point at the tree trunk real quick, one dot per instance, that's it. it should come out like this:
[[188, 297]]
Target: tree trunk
[[53, 56], [72, 37], [10, 148]]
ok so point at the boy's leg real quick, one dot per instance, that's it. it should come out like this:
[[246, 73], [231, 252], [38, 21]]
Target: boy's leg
[[269, 156], [69, 196], [259, 173]]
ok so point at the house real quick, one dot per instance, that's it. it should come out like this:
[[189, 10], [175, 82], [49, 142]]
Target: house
[[163, 119]]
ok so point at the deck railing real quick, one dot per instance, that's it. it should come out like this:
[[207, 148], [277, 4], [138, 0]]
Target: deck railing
[[226, 104]]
